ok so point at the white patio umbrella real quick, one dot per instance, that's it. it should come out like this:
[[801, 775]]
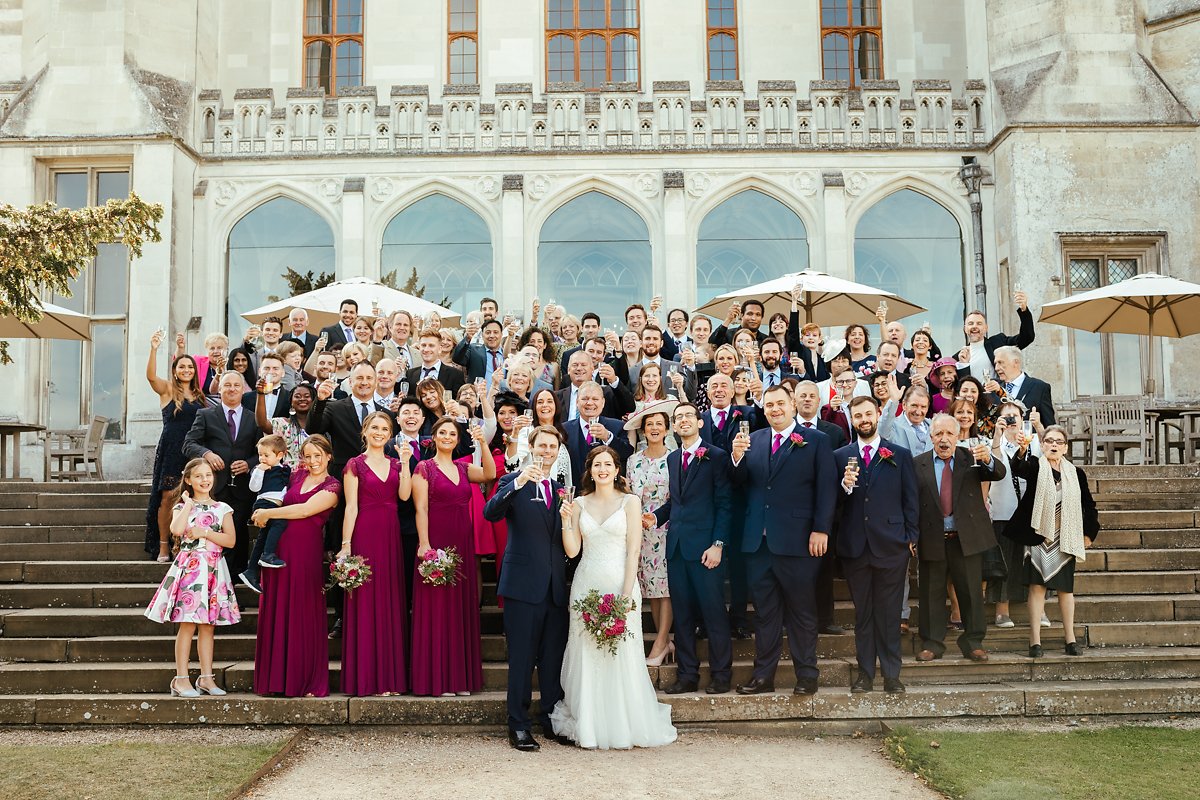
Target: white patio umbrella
[[56, 323], [826, 300], [323, 304], [1147, 305]]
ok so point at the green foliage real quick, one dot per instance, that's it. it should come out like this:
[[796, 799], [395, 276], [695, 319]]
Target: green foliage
[[410, 286], [44, 248], [299, 283]]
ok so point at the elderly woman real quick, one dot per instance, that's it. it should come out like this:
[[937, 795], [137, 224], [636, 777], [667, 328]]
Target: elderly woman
[[1057, 521]]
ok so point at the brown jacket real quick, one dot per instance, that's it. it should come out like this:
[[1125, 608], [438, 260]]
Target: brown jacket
[[971, 517]]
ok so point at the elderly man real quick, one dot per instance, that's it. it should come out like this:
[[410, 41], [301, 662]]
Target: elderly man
[[618, 401], [387, 392], [911, 429], [1011, 377], [298, 322], [956, 530], [591, 429], [397, 346], [226, 436], [977, 357]]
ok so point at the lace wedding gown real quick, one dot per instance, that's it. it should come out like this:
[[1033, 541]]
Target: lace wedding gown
[[608, 700]]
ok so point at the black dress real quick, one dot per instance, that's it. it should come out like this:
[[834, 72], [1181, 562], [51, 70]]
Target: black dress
[[168, 462]]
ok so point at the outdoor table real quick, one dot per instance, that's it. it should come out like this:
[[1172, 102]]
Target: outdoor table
[[12, 430]]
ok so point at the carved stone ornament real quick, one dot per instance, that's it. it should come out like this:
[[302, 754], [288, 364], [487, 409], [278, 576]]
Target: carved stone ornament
[[698, 183], [224, 192], [488, 187], [856, 182], [806, 183], [647, 184], [382, 189], [330, 189], [536, 187]]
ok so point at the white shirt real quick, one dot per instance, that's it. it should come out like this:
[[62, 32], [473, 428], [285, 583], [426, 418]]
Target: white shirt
[[584, 426], [348, 333], [384, 400], [713, 411], [1016, 382], [980, 363], [873, 444], [573, 411], [270, 400], [430, 372], [787, 433], [358, 404], [811, 422], [237, 417]]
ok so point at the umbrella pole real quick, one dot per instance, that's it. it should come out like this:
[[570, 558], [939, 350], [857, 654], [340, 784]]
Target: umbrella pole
[[1151, 387]]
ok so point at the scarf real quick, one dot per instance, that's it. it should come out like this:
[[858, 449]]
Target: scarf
[[1070, 532]]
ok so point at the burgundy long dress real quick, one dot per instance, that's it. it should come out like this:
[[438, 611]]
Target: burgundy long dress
[[291, 654], [445, 638], [374, 619]]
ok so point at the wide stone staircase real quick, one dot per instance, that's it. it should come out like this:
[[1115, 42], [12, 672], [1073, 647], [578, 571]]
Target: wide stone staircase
[[76, 649]]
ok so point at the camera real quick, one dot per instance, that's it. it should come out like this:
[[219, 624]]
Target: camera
[[1010, 419]]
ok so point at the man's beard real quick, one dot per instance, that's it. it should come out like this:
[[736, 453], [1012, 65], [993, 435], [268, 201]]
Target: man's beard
[[867, 434]]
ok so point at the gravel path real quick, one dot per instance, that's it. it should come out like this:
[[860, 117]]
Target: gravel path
[[472, 766]]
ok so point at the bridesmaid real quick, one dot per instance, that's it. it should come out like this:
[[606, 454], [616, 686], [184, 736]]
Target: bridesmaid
[[373, 636], [445, 637], [291, 655], [179, 401]]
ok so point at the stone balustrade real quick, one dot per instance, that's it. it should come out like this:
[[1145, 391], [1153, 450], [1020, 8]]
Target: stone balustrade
[[615, 119]]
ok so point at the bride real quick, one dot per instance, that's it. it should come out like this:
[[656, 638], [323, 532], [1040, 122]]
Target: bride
[[608, 700]]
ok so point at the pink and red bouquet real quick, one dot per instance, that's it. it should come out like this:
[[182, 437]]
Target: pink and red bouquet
[[349, 572], [441, 567], [604, 617]]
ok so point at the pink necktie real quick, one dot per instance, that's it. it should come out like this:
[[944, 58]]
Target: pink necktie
[[721, 420], [778, 441], [687, 457], [866, 456], [546, 491]]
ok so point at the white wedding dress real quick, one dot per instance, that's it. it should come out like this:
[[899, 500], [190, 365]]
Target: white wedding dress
[[608, 700]]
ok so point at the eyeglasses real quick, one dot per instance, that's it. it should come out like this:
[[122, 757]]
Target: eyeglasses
[[1054, 441], [844, 383], [685, 415]]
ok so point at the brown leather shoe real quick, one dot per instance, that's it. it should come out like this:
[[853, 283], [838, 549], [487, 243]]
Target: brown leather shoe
[[978, 655], [904, 627], [927, 655]]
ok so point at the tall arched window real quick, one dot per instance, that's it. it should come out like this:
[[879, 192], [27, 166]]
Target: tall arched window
[[594, 255], [748, 239], [909, 244], [592, 41], [464, 41], [333, 44], [851, 41], [448, 244], [279, 234], [721, 21]]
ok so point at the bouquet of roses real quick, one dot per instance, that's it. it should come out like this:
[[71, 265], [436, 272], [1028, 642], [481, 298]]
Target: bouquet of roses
[[604, 617], [349, 572], [441, 567]]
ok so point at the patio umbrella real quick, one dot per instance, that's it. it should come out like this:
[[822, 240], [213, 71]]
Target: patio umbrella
[[323, 304], [56, 323], [826, 300], [1147, 305]]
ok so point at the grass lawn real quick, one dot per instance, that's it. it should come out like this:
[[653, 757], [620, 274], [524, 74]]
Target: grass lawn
[[130, 770], [1126, 763]]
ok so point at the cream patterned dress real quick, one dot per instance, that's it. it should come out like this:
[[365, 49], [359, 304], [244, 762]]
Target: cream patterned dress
[[649, 481]]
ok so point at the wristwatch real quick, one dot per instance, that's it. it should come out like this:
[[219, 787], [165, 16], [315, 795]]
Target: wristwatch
[[719, 543]]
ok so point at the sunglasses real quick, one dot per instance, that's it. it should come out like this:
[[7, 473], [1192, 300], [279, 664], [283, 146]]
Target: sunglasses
[[1054, 441]]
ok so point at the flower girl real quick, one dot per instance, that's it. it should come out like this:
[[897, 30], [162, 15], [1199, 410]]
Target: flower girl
[[197, 592]]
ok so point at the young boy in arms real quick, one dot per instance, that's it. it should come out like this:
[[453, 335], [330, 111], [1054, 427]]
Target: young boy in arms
[[270, 479]]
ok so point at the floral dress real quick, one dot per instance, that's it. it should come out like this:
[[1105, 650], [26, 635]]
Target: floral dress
[[648, 479], [197, 587], [293, 436]]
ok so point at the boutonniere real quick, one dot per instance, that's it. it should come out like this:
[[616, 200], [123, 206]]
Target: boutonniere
[[887, 455], [798, 440], [735, 414], [426, 444], [701, 453]]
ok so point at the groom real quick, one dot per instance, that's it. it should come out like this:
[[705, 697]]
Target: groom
[[533, 583]]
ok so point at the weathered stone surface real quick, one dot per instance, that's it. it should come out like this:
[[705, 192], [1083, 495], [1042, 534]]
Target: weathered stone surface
[[720, 708], [18, 710], [1118, 697], [162, 710], [1139, 634], [37, 650], [1141, 520], [1160, 582], [480, 709], [970, 700]]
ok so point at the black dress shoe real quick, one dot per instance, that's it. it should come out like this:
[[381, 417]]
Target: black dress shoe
[[701, 632], [717, 687], [833, 630], [862, 684], [548, 733], [740, 632], [1072, 649], [805, 686], [682, 687], [336, 631], [756, 686], [893, 686], [1035, 651], [523, 741]]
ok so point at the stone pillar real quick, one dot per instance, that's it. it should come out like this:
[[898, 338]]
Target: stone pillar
[[677, 283], [350, 256], [516, 266], [837, 241]]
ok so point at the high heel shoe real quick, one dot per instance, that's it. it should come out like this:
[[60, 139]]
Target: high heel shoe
[[666, 656], [164, 559], [188, 692], [215, 691]]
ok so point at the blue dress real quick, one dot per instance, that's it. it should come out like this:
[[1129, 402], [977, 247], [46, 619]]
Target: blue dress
[[168, 462]]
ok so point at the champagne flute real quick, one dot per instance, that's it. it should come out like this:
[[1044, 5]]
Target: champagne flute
[[744, 428]]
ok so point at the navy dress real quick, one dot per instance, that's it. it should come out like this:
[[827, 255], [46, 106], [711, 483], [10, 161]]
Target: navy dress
[[168, 462]]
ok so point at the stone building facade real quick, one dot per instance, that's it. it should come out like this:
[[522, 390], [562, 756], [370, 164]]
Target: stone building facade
[[598, 152]]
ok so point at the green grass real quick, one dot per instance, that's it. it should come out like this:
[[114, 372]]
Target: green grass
[[129, 770], [1126, 763]]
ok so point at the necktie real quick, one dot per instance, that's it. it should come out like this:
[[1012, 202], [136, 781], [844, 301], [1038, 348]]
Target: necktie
[[947, 489], [1008, 387], [721, 420], [866, 456], [808, 424], [232, 426], [687, 457], [426, 372], [362, 413], [546, 492], [589, 435], [349, 334], [495, 358], [775, 444], [770, 379]]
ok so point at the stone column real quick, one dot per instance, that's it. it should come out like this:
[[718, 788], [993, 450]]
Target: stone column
[[350, 254], [677, 283], [515, 268], [836, 243]]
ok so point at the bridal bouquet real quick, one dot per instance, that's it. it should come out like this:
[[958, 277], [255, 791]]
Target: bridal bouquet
[[349, 573], [440, 567], [604, 617]]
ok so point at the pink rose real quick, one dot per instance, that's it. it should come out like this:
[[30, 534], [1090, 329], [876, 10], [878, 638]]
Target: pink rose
[[206, 519], [187, 600], [437, 573]]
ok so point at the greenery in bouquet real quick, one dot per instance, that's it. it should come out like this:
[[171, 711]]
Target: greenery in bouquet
[[604, 617], [349, 573], [441, 567]]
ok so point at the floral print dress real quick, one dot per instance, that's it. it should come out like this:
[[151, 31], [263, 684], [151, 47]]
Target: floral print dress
[[648, 479], [197, 587]]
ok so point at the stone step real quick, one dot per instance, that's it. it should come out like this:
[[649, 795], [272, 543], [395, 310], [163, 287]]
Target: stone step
[[41, 534], [865, 711], [1117, 560], [1161, 501], [1178, 633], [131, 514], [75, 487], [77, 623], [82, 552], [72, 501], [93, 573], [1160, 582], [1096, 663], [1142, 486], [1098, 472], [1147, 520], [1104, 608], [1166, 539], [80, 595], [68, 678]]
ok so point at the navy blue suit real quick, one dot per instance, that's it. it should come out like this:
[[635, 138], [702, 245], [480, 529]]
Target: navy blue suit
[[697, 511], [789, 495], [533, 583], [578, 447], [877, 522]]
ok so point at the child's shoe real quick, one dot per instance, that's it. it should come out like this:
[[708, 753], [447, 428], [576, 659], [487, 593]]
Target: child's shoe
[[272, 562], [250, 578]]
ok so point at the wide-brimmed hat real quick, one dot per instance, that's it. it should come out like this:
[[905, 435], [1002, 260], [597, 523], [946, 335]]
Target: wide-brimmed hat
[[832, 349], [667, 407], [946, 361]]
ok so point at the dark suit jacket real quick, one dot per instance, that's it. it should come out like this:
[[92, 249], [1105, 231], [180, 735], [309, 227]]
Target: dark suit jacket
[[699, 504], [473, 359], [578, 447], [788, 495], [711, 435], [566, 359], [1020, 526], [975, 530], [283, 405], [1023, 339], [210, 432], [723, 335], [880, 518], [837, 434], [309, 342], [617, 402], [336, 337], [338, 419], [451, 378], [534, 560], [1036, 392]]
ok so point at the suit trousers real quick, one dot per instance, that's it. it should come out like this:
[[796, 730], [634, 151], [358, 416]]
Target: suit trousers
[[241, 500], [536, 636], [825, 592], [783, 588], [876, 586], [698, 594], [734, 568], [966, 573]]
